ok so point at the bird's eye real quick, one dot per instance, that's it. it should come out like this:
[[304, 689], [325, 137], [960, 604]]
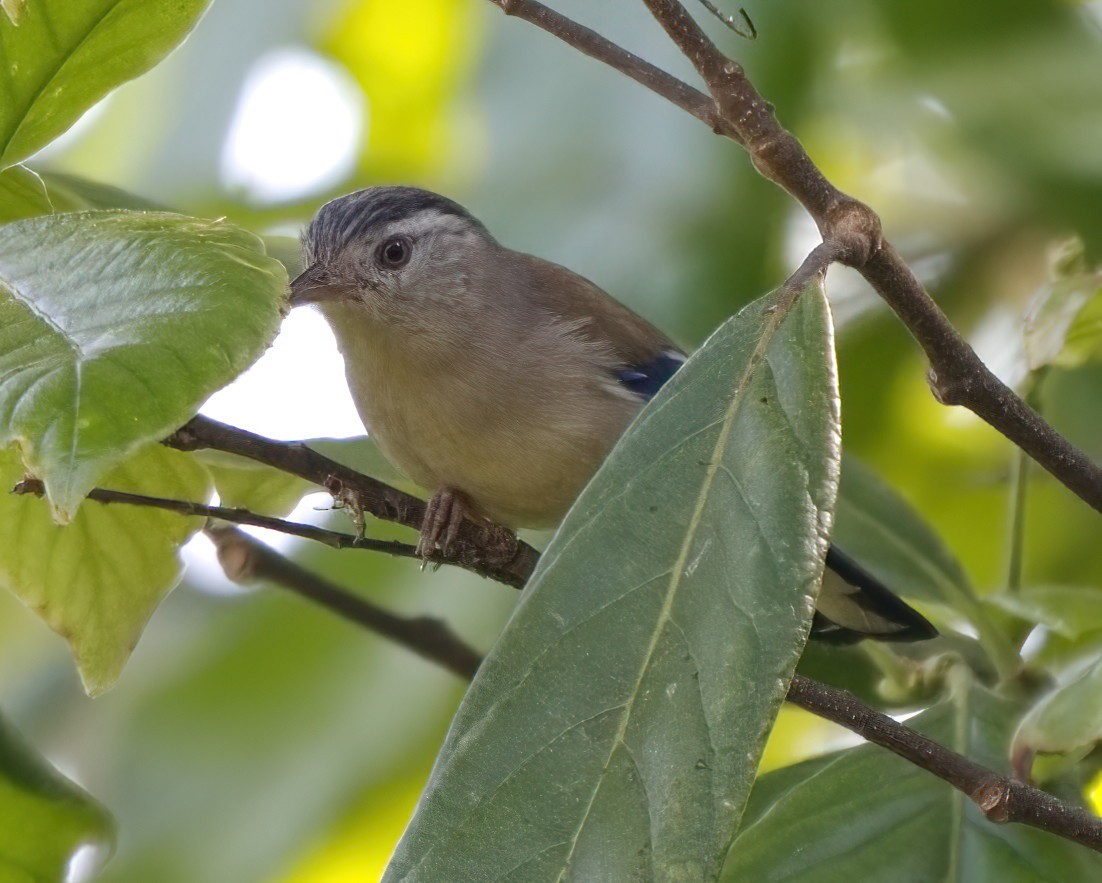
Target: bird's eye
[[395, 252]]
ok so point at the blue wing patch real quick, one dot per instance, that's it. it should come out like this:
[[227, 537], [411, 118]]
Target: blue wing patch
[[646, 380]]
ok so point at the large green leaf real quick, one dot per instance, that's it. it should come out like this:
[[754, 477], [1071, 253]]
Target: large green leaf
[[866, 814], [878, 527], [97, 580], [65, 55], [44, 818], [882, 531], [1071, 611], [1067, 718], [115, 327], [614, 731]]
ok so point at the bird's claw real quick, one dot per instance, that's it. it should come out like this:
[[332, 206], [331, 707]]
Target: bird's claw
[[444, 516]]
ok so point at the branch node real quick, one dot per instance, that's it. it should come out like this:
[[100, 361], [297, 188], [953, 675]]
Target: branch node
[[29, 485], [183, 439], [951, 389], [856, 229], [993, 798], [235, 555]]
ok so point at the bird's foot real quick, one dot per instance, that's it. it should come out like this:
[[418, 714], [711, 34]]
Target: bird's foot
[[444, 516]]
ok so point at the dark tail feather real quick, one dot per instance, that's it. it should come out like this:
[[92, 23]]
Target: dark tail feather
[[854, 605]]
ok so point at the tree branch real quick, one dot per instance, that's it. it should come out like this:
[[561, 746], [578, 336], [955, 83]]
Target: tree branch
[[590, 43], [1000, 798], [958, 376], [245, 560], [488, 550]]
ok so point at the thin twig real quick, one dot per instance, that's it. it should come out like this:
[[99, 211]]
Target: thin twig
[[332, 538], [245, 560], [490, 551], [1000, 798], [738, 111], [590, 43]]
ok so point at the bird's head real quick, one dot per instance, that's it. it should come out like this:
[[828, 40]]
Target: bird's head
[[390, 252]]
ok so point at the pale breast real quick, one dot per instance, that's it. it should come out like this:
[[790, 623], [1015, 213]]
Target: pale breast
[[519, 430]]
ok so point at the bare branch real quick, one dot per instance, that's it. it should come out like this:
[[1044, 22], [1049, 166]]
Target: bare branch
[[591, 43], [245, 560], [1000, 798]]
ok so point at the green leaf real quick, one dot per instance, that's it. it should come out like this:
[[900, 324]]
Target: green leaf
[[13, 9], [866, 814], [97, 580], [1067, 718], [44, 818], [882, 531], [614, 731], [115, 327], [84, 194], [64, 56], [242, 483], [1083, 342], [1063, 325], [1071, 611], [25, 193]]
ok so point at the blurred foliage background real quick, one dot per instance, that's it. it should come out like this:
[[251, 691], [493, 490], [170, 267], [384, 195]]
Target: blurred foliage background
[[255, 738]]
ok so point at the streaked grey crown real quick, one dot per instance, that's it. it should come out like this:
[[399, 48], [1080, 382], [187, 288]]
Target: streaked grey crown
[[360, 214]]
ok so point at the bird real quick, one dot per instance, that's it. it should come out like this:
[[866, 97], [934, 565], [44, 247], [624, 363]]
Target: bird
[[499, 381]]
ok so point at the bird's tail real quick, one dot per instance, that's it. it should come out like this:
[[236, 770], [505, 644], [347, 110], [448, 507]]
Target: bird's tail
[[854, 605]]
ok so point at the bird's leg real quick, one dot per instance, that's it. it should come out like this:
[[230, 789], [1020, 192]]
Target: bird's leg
[[443, 517]]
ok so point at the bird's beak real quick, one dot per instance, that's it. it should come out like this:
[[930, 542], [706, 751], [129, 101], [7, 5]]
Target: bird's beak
[[314, 285]]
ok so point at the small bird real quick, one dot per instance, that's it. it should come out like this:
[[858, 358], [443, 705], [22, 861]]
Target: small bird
[[501, 381]]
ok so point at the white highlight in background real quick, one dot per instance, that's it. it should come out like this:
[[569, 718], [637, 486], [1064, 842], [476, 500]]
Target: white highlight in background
[[296, 129], [296, 390]]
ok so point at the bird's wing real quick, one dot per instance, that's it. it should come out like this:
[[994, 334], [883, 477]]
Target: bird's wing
[[643, 357]]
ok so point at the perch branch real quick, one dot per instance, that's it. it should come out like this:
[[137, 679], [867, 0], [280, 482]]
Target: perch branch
[[245, 560], [489, 551], [957, 375]]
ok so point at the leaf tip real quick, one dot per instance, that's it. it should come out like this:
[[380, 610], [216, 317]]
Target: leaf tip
[[14, 10]]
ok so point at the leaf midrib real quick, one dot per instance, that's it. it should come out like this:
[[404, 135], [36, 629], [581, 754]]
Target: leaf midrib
[[776, 318]]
